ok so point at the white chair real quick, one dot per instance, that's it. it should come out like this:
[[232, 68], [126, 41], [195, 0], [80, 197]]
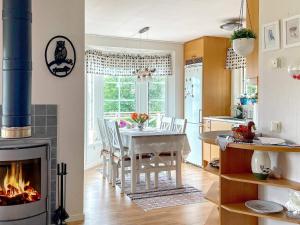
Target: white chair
[[120, 158], [105, 152], [179, 125], [166, 123]]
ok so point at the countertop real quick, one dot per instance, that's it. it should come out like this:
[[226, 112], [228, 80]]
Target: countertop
[[227, 119], [210, 138]]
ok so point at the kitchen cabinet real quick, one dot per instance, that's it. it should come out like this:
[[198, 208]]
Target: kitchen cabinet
[[206, 148], [211, 53], [211, 152], [216, 91]]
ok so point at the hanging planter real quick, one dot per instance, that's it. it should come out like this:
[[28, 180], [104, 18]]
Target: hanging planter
[[243, 41]]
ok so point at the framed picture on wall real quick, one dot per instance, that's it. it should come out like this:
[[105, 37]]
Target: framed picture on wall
[[271, 36], [291, 31]]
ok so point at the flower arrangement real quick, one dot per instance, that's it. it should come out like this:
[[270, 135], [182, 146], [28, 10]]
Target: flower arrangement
[[122, 124], [140, 119]]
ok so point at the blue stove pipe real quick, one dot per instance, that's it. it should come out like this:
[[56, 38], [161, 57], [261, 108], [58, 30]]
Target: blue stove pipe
[[17, 68]]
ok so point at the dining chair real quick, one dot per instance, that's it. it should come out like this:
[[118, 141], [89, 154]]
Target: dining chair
[[179, 125], [166, 123], [105, 152], [120, 157]]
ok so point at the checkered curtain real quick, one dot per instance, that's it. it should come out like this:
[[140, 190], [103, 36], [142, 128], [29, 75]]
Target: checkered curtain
[[234, 61], [118, 64]]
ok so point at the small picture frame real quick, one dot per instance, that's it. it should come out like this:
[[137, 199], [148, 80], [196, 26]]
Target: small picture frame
[[271, 36], [291, 31]]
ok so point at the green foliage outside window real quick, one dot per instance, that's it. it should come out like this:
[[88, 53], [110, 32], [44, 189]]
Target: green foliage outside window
[[120, 97]]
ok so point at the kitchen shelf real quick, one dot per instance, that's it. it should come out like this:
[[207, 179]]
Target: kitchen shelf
[[249, 178], [242, 209], [267, 148], [214, 217], [213, 194], [237, 183]]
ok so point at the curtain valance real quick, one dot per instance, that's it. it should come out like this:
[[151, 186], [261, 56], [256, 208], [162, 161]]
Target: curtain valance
[[118, 64]]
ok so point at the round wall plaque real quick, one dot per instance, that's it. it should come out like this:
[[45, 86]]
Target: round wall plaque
[[60, 56]]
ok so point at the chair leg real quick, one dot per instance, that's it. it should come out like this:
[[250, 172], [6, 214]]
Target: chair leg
[[114, 174], [122, 176], [110, 170], [104, 168]]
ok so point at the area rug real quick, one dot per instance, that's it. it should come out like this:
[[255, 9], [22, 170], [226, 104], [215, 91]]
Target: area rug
[[166, 195]]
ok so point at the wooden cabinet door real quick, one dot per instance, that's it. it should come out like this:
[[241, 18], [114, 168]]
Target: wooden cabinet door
[[214, 152], [206, 147], [219, 125], [206, 152]]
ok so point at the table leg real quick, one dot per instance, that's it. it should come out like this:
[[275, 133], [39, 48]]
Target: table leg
[[148, 180], [133, 174], [156, 173], [178, 170], [139, 164]]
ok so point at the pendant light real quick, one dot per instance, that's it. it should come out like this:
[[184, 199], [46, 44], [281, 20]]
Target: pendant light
[[243, 39], [144, 73]]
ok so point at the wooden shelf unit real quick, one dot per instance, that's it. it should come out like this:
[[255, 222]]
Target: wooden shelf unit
[[238, 185], [249, 178], [213, 193], [240, 208]]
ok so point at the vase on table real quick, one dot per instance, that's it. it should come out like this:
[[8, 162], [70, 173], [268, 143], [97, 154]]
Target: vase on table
[[261, 164], [140, 126]]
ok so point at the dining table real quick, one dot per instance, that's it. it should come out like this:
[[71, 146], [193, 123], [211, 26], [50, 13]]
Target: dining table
[[154, 141]]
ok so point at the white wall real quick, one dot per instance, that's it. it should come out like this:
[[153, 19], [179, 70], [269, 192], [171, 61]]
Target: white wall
[[175, 82], [279, 96], [51, 18]]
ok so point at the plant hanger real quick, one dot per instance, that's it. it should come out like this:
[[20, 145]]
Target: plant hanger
[[243, 38]]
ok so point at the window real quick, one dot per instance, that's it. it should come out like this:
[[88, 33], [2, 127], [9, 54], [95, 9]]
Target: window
[[123, 95], [156, 99], [119, 97]]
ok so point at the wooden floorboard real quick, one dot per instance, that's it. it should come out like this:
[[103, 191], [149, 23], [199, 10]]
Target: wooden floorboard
[[106, 206]]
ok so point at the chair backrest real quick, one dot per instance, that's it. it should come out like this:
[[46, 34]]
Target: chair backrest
[[114, 137], [166, 123], [179, 125], [103, 135]]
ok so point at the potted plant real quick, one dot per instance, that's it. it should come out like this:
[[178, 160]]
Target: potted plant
[[243, 41]]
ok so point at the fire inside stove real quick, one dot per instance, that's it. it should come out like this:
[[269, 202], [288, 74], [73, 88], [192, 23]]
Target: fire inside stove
[[20, 182]]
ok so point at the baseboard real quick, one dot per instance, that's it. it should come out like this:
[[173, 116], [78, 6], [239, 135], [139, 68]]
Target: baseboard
[[75, 218]]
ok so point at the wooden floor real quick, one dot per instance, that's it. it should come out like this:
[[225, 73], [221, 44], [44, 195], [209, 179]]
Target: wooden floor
[[106, 206]]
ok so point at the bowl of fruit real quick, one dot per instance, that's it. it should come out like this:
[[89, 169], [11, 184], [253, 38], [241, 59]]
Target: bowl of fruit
[[244, 133]]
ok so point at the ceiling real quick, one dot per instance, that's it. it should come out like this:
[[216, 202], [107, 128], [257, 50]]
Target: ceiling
[[169, 20]]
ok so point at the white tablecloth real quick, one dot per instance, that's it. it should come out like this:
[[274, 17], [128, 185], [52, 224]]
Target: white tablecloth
[[154, 141]]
